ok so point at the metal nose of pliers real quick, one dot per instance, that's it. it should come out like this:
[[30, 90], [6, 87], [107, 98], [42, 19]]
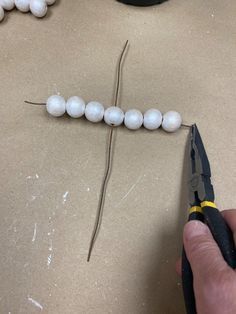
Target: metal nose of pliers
[[197, 178]]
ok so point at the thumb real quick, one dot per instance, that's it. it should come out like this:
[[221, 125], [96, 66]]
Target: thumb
[[202, 251]]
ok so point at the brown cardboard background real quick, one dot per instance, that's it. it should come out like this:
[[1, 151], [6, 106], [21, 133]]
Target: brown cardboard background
[[181, 57]]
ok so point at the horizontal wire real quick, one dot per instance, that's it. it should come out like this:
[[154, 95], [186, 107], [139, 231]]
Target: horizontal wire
[[35, 103]]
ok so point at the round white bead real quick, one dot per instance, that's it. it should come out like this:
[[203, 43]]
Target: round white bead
[[94, 111], [50, 2], [1, 14], [56, 105], [7, 4], [133, 119], [171, 121], [75, 107], [152, 119], [114, 116], [23, 5], [38, 7]]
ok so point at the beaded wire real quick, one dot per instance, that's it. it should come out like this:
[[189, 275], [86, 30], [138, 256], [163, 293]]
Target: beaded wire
[[109, 156]]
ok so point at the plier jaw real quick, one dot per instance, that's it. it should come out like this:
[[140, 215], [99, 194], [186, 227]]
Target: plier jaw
[[199, 183]]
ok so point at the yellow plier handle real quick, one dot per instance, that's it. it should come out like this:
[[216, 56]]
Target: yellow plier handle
[[198, 209]]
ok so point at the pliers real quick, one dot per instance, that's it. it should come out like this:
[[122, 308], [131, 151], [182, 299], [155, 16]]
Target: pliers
[[203, 208]]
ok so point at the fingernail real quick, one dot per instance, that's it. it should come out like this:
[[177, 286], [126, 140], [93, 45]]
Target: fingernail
[[194, 229]]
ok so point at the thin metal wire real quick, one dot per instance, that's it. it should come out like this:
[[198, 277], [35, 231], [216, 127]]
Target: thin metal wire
[[186, 125], [98, 220], [35, 103], [108, 166], [119, 74]]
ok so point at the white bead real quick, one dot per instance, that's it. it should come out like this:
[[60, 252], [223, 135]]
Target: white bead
[[171, 121], [38, 7], [75, 107], [133, 119], [56, 105], [114, 116], [1, 14], [152, 119], [94, 111], [23, 5], [50, 2], [7, 4]]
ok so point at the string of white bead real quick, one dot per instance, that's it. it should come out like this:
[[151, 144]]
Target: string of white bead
[[94, 111], [37, 7], [7, 4]]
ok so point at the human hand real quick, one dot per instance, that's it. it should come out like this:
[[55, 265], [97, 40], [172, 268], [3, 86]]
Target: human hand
[[214, 281]]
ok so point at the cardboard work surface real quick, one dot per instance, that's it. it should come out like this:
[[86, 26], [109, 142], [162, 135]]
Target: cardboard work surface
[[181, 57]]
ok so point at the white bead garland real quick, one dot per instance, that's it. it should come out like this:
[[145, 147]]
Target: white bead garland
[[22, 5], [94, 111], [114, 116], [56, 105], [75, 107], [1, 14], [152, 119], [38, 8], [171, 121], [133, 119], [7, 4]]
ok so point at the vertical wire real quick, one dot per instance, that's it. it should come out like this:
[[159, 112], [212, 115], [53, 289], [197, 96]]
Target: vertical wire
[[108, 166], [119, 74]]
